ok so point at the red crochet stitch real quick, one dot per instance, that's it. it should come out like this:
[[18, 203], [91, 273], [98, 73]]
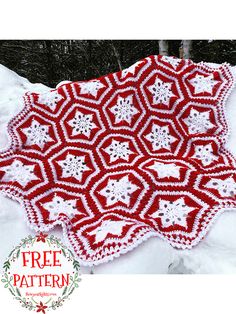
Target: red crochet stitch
[[130, 155]]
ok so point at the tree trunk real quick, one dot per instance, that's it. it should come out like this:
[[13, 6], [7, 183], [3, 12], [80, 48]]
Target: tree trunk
[[185, 50], [163, 47]]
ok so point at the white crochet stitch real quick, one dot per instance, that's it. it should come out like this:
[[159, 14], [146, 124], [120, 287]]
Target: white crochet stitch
[[173, 61], [226, 187], [205, 154], [82, 124], [91, 87], [203, 83], [173, 213], [118, 191], [124, 110], [50, 99], [118, 150], [37, 134], [198, 122], [59, 205], [166, 170], [112, 227], [161, 92], [19, 172], [160, 137], [73, 166]]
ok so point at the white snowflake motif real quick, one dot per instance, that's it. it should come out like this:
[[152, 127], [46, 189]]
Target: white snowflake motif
[[119, 190], [82, 124], [172, 61], [108, 227], [59, 205], [161, 92], [203, 83], [173, 212], [205, 154], [198, 122], [50, 99], [118, 150], [226, 187], [160, 137], [91, 87], [124, 110], [166, 170], [131, 69], [37, 134], [73, 166], [18, 172]]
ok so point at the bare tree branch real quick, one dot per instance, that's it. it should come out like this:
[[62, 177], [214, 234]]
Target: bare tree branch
[[116, 53]]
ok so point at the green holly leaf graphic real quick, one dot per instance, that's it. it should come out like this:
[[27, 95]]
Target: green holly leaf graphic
[[6, 265]]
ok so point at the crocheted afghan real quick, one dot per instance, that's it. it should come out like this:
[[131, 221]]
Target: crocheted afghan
[[124, 157]]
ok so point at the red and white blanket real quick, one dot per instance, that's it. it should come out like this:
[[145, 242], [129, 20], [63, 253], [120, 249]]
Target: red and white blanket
[[124, 157]]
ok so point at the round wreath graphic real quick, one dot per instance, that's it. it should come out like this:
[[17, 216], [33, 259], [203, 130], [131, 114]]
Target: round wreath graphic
[[30, 303]]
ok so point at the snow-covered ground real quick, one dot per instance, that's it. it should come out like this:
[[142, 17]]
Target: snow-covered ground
[[215, 254]]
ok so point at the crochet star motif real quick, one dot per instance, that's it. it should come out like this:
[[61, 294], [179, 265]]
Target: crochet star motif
[[131, 69], [198, 122], [203, 83], [50, 99], [172, 61], [91, 87], [166, 170], [82, 124], [160, 137], [107, 227], [37, 134], [18, 172], [205, 154], [173, 213], [226, 187], [73, 166], [118, 191], [124, 109], [124, 157], [161, 92], [58, 206], [118, 150]]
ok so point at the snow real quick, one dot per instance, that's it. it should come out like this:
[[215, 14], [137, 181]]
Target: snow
[[215, 254]]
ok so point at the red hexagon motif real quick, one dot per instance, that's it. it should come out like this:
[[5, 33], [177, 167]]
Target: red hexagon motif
[[82, 124], [171, 172], [172, 63], [173, 211], [121, 190], [37, 133], [51, 101], [22, 172], [205, 153], [124, 109], [197, 119], [73, 166], [160, 137], [161, 92], [108, 230], [93, 91], [56, 205], [218, 185], [117, 150], [132, 73], [203, 84]]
